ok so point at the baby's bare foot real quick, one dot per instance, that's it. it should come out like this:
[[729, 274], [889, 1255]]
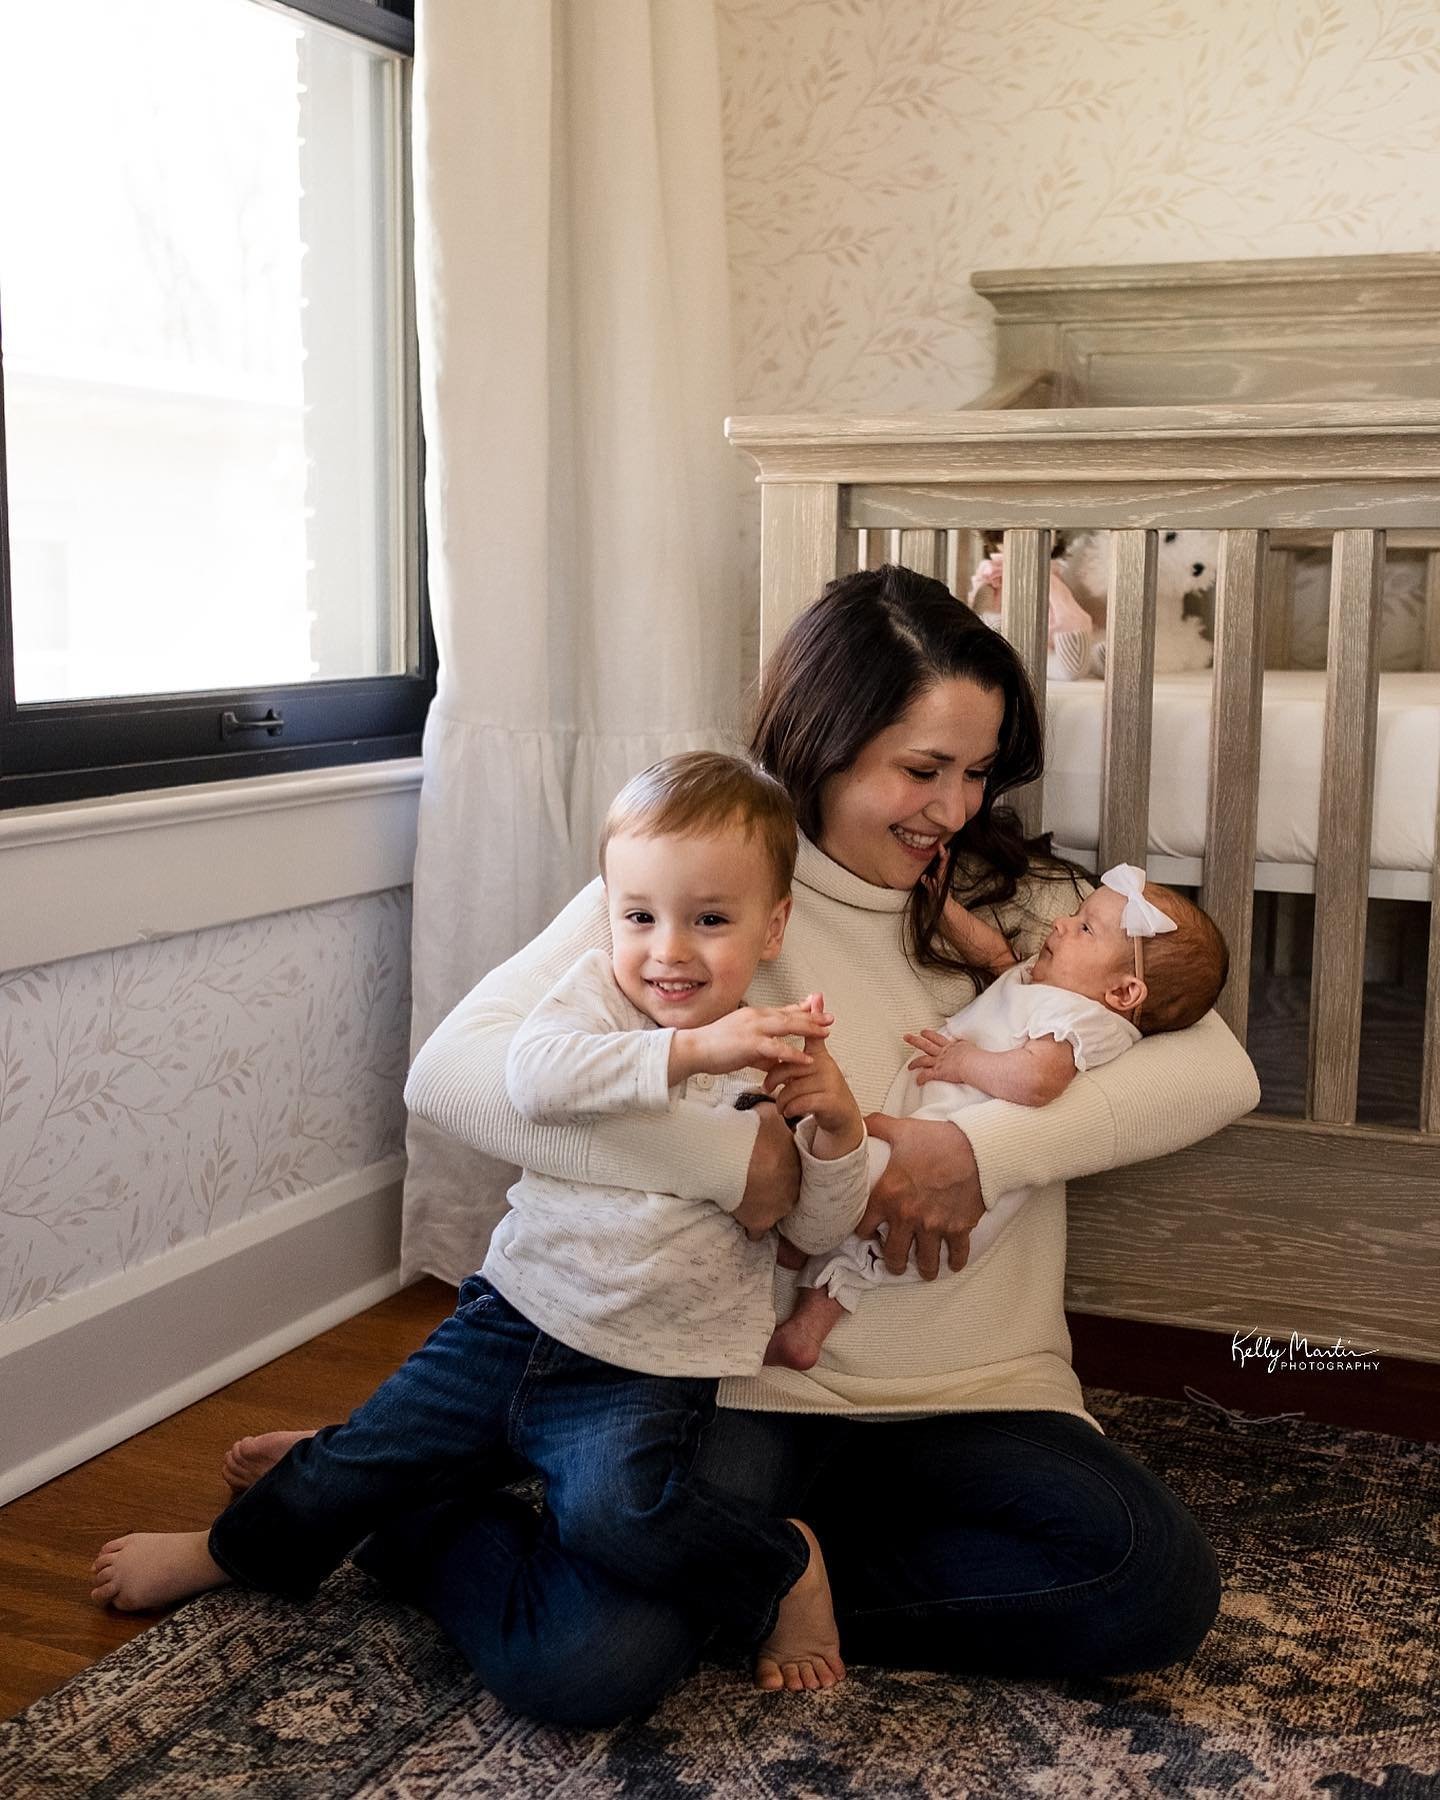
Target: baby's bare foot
[[249, 1458], [154, 1568], [797, 1343], [803, 1651]]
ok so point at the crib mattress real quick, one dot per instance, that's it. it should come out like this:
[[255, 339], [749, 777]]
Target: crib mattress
[[1407, 767]]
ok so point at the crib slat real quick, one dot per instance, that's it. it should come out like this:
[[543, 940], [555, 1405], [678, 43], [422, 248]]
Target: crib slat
[[949, 571], [1279, 608], [1430, 647], [967, 553], [1234, 789], [847, 551], [1342, 855], [920, 551], [1430, 1076], [1024, 619], [799, 547], [1129, 682]]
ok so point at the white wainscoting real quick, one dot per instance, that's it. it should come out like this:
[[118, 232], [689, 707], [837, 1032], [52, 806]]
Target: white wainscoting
[[85, 1372], [98, 874]]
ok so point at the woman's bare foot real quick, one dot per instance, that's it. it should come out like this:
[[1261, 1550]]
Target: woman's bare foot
[[155, 1568], [797, 1343], [249, 1458], [803, 1651]]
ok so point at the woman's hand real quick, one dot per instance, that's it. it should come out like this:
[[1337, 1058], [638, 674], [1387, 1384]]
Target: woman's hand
[[772, 1186], [928, 1195]]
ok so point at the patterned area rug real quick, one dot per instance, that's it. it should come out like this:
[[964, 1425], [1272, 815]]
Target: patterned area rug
[[1322, 1677]]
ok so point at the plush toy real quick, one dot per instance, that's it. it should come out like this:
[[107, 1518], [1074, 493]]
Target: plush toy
[[1185, 570], [1071, 648]]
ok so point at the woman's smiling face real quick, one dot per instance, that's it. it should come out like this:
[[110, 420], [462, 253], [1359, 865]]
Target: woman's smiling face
[[913, 785]]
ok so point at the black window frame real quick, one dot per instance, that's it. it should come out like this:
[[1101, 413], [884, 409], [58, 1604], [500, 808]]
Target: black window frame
[[85, 749]]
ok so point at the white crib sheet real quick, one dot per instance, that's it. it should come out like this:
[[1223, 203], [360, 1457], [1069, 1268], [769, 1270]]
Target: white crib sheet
[[1407, 766]]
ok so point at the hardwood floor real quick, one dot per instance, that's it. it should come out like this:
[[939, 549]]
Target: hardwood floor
[[168, 1478]]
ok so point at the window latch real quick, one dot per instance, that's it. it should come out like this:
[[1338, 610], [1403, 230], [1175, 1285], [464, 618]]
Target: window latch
[[271, 723]]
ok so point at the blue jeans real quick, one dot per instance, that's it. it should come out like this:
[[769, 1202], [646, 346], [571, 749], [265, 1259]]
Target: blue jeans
[[490, 1397], [1000, 1543]]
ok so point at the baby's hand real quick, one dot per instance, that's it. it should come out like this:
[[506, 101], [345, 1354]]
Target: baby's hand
[[941, 1058], [751, 1037]]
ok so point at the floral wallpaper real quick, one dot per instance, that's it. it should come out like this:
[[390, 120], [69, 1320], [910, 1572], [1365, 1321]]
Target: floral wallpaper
[[877, 154], [151, 1095]]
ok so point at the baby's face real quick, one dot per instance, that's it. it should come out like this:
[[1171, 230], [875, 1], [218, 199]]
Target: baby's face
[[690, 918], [1088, 953]]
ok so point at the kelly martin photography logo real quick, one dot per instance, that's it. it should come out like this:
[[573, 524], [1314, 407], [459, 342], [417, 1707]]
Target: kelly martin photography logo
[[1297, 1355]]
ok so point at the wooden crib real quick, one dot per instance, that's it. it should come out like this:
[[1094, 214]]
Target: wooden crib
[[1316, 1224]]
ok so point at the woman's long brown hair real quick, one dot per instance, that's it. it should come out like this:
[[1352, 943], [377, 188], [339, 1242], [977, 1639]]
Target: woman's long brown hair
[[847, 669]]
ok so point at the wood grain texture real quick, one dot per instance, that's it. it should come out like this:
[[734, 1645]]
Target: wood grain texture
[[1367, 287], [1233, 793], [1129, 697], [1025, 620], [1201, 333], [1430, 1071], [1274, 1225], [1430, 647], [1152, 501], [1279, 607], [922, 551], [1022, 387], [1225, 438], [168, 1478], [799, 552], [1347, 797]]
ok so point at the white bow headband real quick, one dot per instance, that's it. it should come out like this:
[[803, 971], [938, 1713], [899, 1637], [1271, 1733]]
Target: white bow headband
[[1140, 918]]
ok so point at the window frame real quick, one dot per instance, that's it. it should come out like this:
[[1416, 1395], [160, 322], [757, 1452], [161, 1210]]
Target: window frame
[[68, 750]]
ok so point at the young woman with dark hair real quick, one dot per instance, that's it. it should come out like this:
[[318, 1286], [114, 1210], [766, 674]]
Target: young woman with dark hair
[[972, 1514]]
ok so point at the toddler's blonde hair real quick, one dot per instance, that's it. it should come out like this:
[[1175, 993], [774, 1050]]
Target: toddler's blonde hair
[[703, 791]]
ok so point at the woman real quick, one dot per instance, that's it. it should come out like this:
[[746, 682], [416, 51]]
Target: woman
[[972, 1515]]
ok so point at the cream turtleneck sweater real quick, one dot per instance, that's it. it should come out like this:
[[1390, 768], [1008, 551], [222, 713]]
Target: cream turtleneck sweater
[[992, 1337]]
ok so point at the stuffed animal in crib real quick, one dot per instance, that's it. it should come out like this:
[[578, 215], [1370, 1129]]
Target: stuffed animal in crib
[[1071, 645], [1185, 570]]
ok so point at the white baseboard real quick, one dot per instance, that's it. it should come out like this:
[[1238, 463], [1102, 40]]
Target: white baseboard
[[85, 1372]]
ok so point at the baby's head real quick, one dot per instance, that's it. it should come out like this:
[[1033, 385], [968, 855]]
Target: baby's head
[[1091, 953], [697, 855]]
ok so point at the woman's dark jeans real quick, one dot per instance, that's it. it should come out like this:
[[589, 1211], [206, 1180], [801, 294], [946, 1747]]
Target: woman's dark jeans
[[998, 1543]]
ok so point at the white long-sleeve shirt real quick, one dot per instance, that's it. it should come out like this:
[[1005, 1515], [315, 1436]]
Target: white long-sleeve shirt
[[992, 1337], [660, 1282]]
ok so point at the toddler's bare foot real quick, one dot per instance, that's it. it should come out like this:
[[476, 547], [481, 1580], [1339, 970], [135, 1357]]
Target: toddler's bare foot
[[249, 1458], [803, 1651], [797, 1343], [154, 1568]]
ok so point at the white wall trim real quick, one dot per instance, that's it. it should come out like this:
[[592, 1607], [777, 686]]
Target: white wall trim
[[98, 874], [86, 1371]]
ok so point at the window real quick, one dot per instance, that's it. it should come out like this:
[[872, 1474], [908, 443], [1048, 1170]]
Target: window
[[210, 557]]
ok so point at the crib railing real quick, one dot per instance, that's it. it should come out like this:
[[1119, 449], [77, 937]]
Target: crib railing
[[838, 494]]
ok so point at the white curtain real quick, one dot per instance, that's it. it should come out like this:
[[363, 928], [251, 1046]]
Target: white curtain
[[575, 369]]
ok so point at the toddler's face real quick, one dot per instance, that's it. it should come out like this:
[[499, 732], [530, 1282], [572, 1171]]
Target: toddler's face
[[1088, 953], [690, 918]]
